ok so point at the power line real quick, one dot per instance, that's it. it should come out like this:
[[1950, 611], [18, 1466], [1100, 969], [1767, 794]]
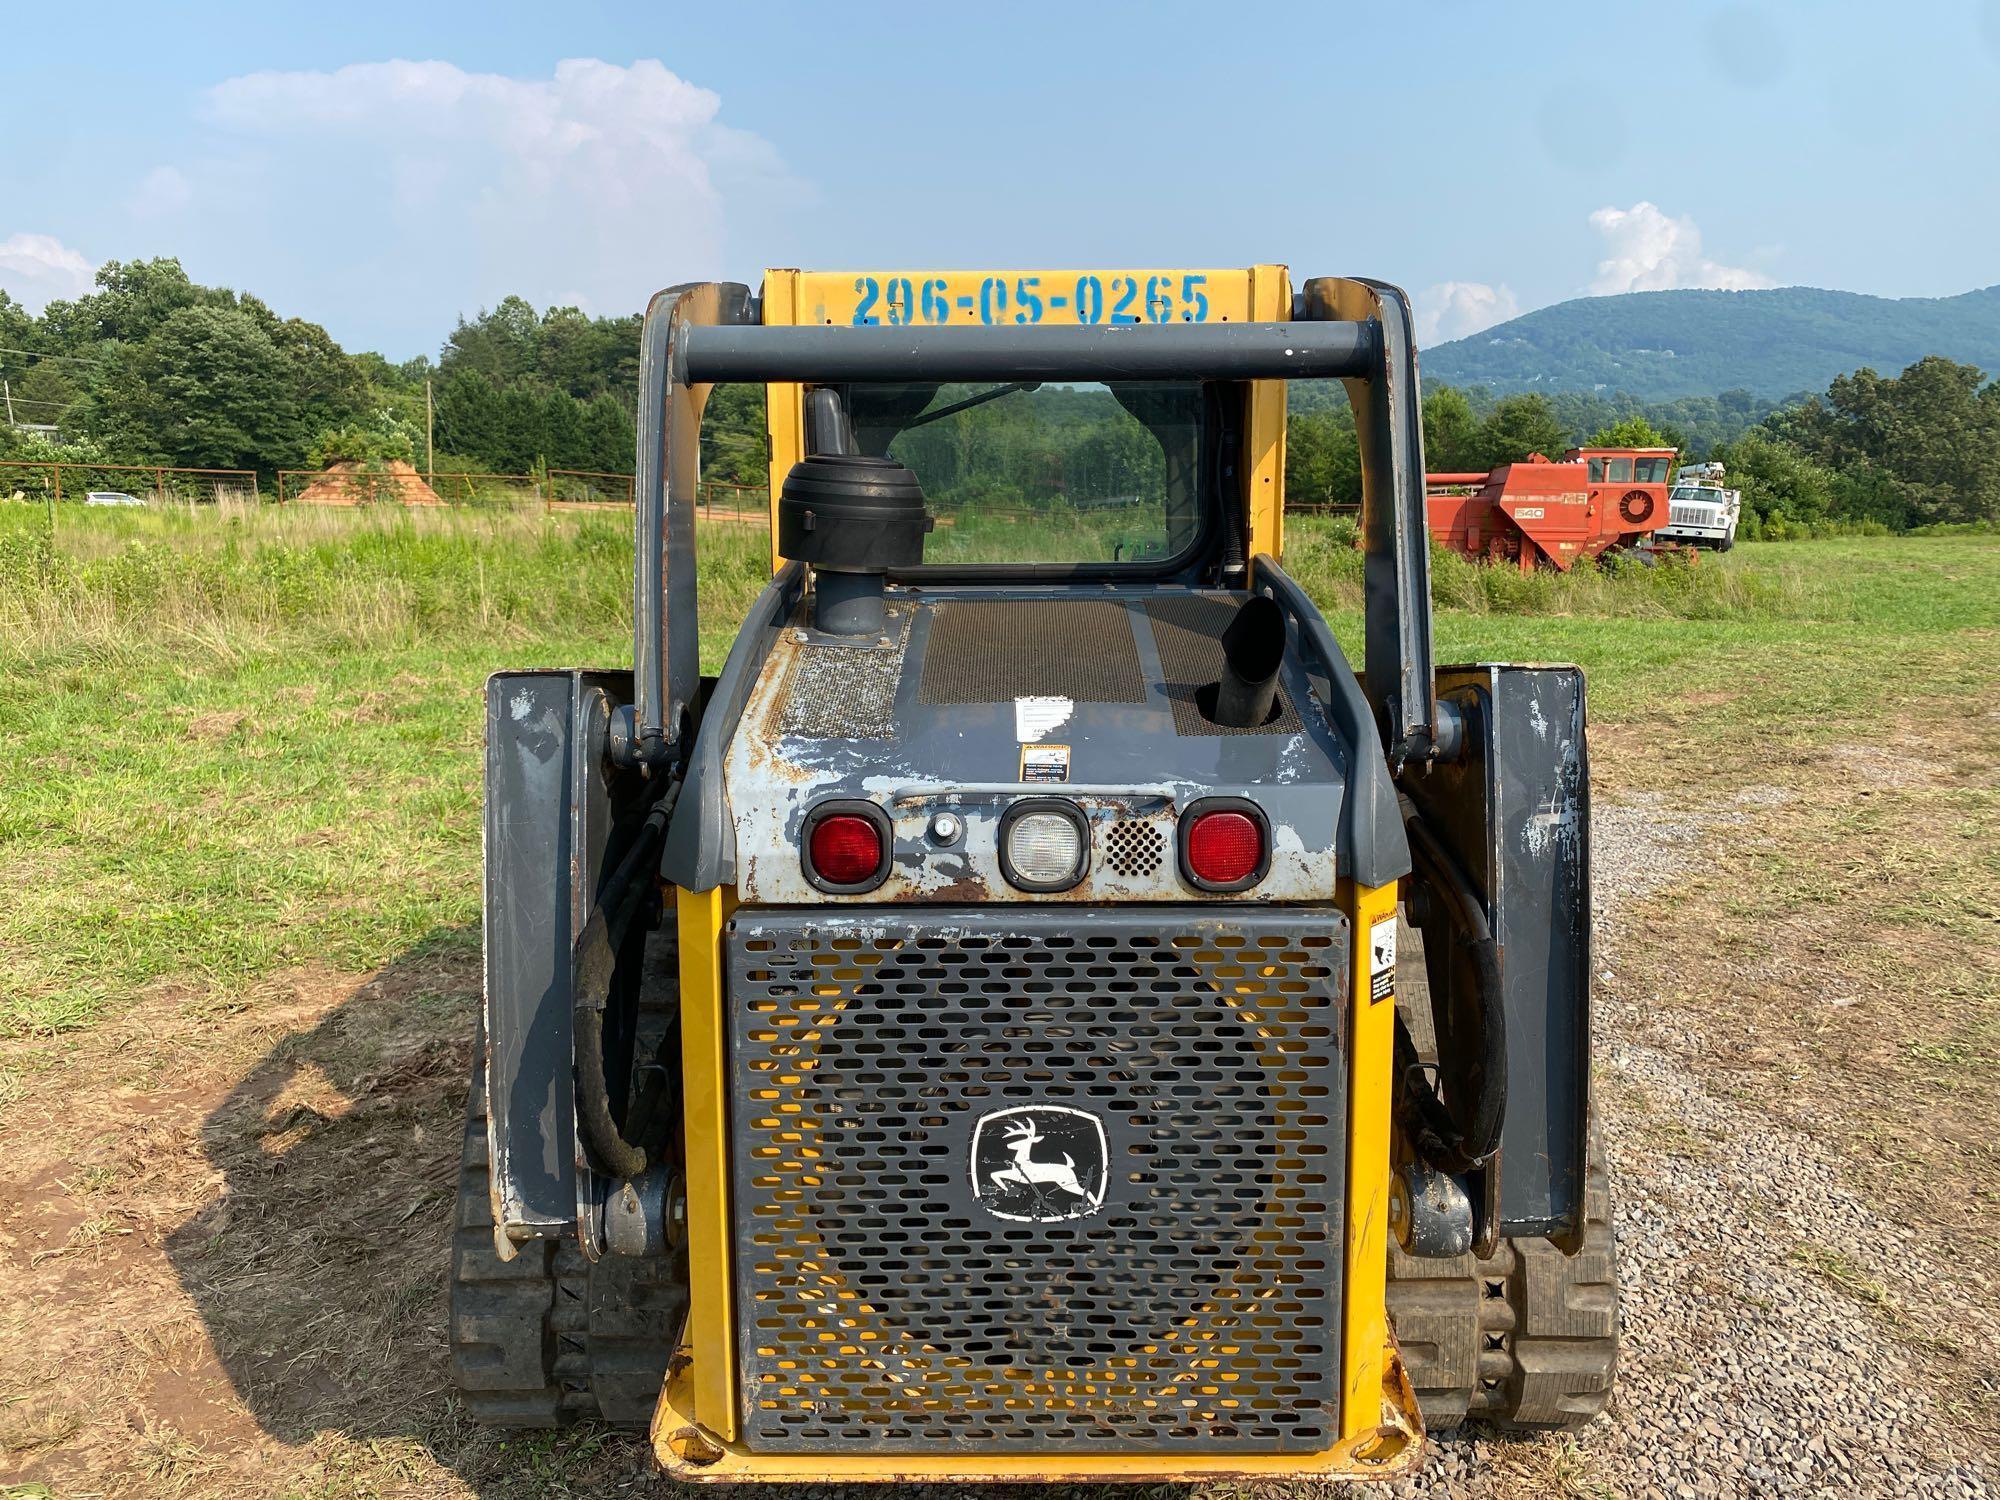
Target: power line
[[68, 359]]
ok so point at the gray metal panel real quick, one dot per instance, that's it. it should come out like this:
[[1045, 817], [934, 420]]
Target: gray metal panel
[[1372, 845], [1515, 810], [1213, 351], [700, 852], [1395, 533], [1124, 760], [896, 1295], [545, 814], [666, 651]]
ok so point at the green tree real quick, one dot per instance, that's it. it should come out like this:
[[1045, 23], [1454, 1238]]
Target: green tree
[[1323, 458], [1632, 431], [207, 389], [499, 344], [133, 298], [1517, 427], [1779, 482], [1932, 432], [1451, 431], [470, 420], [735, 445], [608, 436]]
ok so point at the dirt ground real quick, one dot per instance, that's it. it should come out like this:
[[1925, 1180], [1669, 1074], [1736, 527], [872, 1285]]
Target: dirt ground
[[222, 1265]]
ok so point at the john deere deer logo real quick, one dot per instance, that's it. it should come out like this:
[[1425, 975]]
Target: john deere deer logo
[[1039, 1164]]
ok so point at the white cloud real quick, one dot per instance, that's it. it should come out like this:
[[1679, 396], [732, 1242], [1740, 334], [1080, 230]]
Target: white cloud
[[1452, 309], [599, 183], [35, 269], [1650, 252], [162, 192]]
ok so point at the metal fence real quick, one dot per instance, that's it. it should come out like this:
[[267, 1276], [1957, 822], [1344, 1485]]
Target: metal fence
[[400, 484], [59, 481], [715, 499]]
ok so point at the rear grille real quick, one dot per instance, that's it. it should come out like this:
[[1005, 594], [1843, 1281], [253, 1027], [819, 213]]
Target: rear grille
[[989, 651], [1188, 628], [1036, 1180]]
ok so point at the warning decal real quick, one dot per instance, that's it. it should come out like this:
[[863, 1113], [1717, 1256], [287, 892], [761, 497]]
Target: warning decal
[[1382, 959], [1045, 763]]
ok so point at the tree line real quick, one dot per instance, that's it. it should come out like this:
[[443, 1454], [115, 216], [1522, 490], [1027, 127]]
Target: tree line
[[1892, 452], [153, 368]]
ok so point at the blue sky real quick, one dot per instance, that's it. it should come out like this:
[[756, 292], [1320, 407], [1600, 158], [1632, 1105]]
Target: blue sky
[[383, 168]]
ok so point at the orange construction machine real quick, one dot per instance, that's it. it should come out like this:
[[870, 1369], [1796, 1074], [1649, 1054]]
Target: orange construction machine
[[1542, 512]]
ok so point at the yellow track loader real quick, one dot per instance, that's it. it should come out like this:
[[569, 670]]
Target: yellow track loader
[[965, 1037]]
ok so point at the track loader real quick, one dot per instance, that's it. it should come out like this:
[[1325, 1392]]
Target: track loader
[[1037, 1013]]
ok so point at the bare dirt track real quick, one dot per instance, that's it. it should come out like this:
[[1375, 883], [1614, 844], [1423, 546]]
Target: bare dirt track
[[221, 1267]]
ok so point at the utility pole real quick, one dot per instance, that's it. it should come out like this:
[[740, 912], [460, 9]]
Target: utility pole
[[8, 387], [430, 435]]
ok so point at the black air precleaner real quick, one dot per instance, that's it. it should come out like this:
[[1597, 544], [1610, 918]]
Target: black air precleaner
[[853, 518]]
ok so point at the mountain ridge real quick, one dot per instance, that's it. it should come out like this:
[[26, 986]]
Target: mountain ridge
[[1774, 342]]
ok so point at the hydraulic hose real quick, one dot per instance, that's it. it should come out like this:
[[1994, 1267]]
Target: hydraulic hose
[[1442, 1137], [594, 962]]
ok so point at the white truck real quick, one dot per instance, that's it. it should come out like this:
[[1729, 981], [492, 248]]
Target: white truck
[[1700, 511]]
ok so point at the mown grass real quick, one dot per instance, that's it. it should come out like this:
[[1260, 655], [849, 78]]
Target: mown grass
[[237, 744]]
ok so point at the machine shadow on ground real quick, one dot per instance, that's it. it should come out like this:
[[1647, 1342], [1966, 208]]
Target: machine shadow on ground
[[319, 1269]]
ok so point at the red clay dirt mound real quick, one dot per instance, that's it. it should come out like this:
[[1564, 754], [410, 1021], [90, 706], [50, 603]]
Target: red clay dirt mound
[[350, 482]]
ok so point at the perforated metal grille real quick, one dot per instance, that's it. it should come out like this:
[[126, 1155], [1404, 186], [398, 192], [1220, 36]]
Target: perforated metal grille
[[990, 651], [1133, 847], [1187, 629], [880, 1306], [842, 693]]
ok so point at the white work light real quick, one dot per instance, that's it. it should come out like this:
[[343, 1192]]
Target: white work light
[[1042, 846]]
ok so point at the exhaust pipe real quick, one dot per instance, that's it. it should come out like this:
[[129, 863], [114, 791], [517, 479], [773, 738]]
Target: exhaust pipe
[[1253, 647]]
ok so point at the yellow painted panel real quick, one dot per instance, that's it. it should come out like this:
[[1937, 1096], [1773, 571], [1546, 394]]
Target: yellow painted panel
[[785, 409], [1369, 1084], [933, 298], [930, 299], [705, 1080], [690, 1452], [1264, 432]]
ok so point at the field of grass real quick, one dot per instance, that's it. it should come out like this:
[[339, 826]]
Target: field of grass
[[242, 777], [211, 728]]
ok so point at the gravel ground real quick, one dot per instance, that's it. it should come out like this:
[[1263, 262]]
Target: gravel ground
[[1764, 1349]]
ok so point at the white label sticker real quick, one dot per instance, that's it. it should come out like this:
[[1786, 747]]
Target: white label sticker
[[1382, 959], [1528, 513], [1035, 717]]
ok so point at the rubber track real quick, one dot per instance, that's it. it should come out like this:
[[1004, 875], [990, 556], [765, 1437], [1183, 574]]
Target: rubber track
[[1525, 1338], [547, 1339]]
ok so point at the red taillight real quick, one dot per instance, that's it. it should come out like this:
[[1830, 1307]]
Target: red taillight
[[845, 849], [1224, 848]]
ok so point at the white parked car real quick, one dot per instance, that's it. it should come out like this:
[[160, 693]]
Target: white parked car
[[111, 497], [1700, 511]]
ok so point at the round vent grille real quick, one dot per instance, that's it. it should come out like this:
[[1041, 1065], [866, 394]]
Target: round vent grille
[[1635, 506], [1133, 848]]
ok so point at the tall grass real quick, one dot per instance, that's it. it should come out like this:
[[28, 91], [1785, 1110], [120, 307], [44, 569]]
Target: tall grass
[[1320, 553], [384, 576], [379, 576]]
